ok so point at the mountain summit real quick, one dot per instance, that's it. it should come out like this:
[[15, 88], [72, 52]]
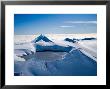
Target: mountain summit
[[42, 37]]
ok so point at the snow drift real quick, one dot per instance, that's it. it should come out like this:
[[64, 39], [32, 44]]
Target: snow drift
[[45, 57]]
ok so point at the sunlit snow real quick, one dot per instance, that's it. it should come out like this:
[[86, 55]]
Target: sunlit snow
[[51, 55]]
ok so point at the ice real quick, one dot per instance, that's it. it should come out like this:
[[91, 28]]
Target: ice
[[51, 55], [72, 65]]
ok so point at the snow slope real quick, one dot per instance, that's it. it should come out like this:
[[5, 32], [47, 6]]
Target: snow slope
[[89, 48], [71, 65], [79, 60]]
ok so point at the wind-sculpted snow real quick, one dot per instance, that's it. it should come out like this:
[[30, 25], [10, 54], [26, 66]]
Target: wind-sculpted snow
[[45, 57], [74, 64], [88, 47]]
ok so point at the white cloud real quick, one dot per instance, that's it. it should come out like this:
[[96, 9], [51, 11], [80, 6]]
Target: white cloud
[[82, 22], [64, 26]]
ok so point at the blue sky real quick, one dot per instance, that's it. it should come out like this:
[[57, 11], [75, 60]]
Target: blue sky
[[28, 24]]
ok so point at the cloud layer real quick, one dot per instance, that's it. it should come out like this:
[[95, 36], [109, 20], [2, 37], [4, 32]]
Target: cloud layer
[[82, 22], [66, 26]]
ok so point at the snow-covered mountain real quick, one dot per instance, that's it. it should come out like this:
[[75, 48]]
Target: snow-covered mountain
[[41, 37], [47, 55], [42, 43]]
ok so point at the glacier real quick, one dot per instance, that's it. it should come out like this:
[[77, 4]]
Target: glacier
[[47, 56]]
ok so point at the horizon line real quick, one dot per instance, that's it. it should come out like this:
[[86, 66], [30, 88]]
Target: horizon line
[[54, 33]]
